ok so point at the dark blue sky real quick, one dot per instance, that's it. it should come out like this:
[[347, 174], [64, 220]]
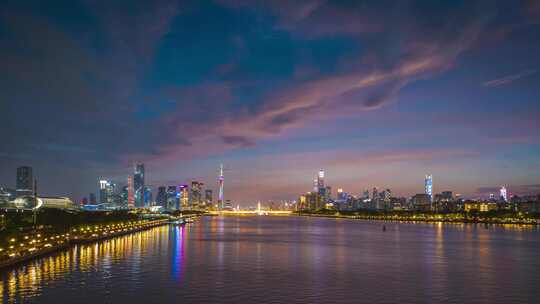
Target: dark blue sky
[[377, 93]]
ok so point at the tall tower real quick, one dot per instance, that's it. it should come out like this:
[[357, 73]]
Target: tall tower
[[131, 196], [220, 184], [428, 183], [320, 179], [138, 181], [503, 194]]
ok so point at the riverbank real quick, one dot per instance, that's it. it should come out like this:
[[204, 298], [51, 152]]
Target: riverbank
[[429, 218], [27, 249]]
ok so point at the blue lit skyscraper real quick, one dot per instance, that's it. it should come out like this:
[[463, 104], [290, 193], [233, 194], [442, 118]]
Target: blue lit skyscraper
[[138, 183], [429, 186]]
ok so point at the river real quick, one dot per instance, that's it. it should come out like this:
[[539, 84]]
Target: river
[[290, 260]]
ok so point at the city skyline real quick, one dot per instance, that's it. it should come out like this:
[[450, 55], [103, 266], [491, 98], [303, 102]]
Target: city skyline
[[199, 196], [275, 92]]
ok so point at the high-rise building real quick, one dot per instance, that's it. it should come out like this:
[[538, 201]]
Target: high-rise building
[[320, 179], [184, 197], [503, 194], [428, 184], [221, 180], [421, 202], [341, 196], [92, 199], [171, 198], [130, 192], [196, 194], [24, 184], [106, 191], [161, 197], [208, 197], [125, 194], [375, 194], [147, 196], [138, 181]]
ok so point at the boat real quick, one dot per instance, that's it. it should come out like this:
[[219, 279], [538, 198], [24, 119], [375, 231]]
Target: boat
[[177, 222]]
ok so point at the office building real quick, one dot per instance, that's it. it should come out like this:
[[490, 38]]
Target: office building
[[24, 184], [171, 199], [184, 197], [138, 185], [503, 194], [208, 197], [161, 197], [130, 192], [106, 191], [196, 194], [428, 185], [92, 199]]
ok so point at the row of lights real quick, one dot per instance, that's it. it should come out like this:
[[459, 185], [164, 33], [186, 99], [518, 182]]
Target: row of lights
[[61, 238]]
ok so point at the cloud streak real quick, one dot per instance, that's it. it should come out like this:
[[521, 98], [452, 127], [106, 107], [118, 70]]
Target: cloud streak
[[506, 80]]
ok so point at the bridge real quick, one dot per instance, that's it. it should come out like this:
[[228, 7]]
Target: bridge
[[250, 212]]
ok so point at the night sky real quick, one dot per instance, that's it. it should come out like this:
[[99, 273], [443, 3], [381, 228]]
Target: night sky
[[377, 93]]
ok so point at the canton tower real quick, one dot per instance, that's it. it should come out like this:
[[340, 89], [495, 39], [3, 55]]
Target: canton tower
[[220, 184]]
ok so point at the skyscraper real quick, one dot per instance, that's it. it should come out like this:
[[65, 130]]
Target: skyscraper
[[147, 196], [161, 197], [503, 194], [92, 198], [320, 179], [131, 193], [208, 197], [220, 184], [184, 197], [24, 181], [138, 179], [428, 183], [171, 198], [106, 191], [196, 193]]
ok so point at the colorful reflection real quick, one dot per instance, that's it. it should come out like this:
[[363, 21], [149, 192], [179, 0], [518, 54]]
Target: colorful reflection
[[26, 282]]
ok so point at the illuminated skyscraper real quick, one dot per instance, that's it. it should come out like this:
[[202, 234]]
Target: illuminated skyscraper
[[171, 198], [184, 197], [428, 183], [130, 195], [106, 191], [341, 196], [139, 188], [196, 194], [147, 196], [320, 179], [208, 197], [161, 197], [503, 193], [220, 184], [24, 181]]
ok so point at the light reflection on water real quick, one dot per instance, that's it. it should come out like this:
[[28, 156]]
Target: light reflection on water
[[290, 259]]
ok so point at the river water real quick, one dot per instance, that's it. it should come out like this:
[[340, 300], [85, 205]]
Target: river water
[[290, 260]]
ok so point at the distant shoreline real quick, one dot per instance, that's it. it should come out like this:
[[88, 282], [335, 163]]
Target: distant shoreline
[[428, 218]]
